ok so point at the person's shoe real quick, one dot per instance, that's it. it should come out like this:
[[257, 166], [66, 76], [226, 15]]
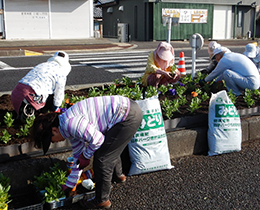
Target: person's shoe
[[120, 179], [93, 204]]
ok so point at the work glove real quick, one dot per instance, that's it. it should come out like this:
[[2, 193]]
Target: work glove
[[82, 161]]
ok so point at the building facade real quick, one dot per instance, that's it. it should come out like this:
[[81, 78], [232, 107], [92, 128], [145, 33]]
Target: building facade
[[148, 19], [46, 19]]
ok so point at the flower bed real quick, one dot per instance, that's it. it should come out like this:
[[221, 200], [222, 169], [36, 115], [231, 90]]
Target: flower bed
[[180, 103]]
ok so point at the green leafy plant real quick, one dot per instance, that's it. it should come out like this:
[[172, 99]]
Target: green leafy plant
[[51, 182], [170, 107], [256, 92], [137, 93], [248, 98], [8, 119], [180, 90], [204, 96], [93, 92], [182, 100], [151, 91], [25, 130], [163, 89], [194, 105], [4, 191], [112, 89], [127, 81], [117, 82], [5, 137], [75, 99], [187, 79], [232, 96]]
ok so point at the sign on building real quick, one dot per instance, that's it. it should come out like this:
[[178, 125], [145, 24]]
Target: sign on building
[[186, 15]]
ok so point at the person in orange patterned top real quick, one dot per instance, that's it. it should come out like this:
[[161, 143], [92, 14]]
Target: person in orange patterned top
[[158, 69]]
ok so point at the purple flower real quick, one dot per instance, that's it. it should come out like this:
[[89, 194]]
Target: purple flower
[[172, 91], [63, 109], [181, 84], [159, 92]]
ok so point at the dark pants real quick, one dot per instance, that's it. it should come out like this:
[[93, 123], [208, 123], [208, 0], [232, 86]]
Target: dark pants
[[107, 158]]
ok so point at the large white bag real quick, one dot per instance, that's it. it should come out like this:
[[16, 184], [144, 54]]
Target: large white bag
[[148, 149], [224, 133]]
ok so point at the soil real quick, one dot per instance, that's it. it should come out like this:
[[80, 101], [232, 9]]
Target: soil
[[6, 106]]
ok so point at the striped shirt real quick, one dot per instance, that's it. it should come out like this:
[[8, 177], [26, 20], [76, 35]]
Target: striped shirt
[[88, 120]]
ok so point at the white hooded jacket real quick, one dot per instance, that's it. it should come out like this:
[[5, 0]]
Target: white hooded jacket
[[50, 77]]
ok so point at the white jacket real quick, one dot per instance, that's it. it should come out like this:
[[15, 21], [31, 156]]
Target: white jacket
[[49, 78]]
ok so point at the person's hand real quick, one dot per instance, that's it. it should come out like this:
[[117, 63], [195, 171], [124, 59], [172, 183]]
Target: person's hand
[[176, 76], [82, 161]]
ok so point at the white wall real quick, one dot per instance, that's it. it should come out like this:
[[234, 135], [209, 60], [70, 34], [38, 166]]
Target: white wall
[[222, 22], [48, 19]]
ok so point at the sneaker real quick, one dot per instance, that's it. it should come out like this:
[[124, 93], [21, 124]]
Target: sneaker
[[120, 179], [93, 204]]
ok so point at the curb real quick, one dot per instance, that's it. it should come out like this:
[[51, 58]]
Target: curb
[[69, 49]]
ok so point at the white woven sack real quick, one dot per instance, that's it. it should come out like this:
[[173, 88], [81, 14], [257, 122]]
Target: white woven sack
[[148, 149], [224, 133]]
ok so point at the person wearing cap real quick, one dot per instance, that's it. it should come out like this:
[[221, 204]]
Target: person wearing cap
[[253, 52], [44, 84], [213, 63], [105, 124], [158, 68], [237, 70]]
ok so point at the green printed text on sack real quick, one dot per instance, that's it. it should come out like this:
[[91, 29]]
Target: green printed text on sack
[[225, 110], [151, 121], [140, 138]]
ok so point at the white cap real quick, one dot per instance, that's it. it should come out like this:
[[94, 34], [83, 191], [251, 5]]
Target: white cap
[[212, 46], [217, 51], [250, 51]]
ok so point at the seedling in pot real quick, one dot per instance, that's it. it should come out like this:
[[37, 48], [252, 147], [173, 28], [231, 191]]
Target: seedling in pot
[[4, 191]]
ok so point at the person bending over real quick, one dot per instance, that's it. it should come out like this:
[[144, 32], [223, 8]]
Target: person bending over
[[106, 124]]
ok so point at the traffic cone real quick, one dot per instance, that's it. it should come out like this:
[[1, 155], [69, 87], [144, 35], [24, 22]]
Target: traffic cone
[[181, 65]]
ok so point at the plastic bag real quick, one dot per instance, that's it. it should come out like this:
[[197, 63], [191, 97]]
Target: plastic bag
[[148, 149], [224, 133]]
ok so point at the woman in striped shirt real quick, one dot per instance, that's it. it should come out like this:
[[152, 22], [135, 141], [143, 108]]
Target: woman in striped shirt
[[106, 124]]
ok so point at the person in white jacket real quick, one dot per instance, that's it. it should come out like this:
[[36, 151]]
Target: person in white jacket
[[237, 70], [43, 84]]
